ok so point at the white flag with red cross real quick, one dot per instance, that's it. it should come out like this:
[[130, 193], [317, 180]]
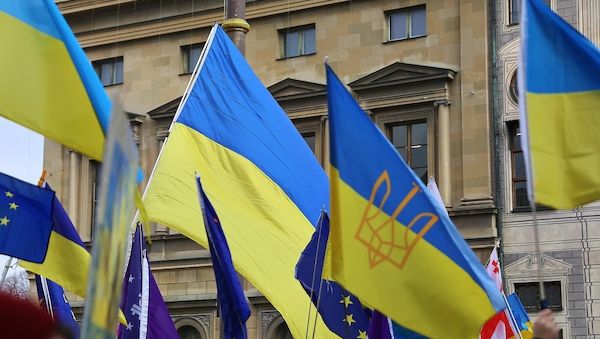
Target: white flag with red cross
[[493, 269]]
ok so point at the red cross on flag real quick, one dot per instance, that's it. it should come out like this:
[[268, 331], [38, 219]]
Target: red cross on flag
[[493, 269]]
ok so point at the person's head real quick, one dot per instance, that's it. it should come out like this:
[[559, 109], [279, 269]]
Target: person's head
[[21, 318]]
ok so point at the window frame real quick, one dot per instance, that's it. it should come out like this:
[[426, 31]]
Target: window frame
[[97, 64], [301, 47], [408, 11], [509, 11], [535, 284], [313, 126], [185, 51], [394, 116]]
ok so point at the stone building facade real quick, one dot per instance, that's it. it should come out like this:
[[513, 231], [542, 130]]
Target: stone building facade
[[418, 67], [570, 239]]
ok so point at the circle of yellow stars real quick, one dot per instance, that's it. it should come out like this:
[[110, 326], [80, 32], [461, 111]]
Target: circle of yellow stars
[[349, 319], [11, 206]]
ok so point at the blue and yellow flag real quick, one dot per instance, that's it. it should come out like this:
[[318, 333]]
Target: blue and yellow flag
[[66, 261], [262, 179], [48, 84], [559, 95], [25, 219], [520, 315], [391, 244]]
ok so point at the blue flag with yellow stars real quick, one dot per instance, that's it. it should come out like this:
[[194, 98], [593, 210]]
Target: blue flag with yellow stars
[[25, 219], [341, 311]]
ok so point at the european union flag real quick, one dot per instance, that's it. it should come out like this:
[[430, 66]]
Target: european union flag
[[53, 297], [25, 219], [232, 302], [341, 311]]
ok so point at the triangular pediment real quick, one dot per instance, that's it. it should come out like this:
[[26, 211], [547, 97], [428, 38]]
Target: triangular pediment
[[402, 73], [528, 266], [166, 110], [293, 88]]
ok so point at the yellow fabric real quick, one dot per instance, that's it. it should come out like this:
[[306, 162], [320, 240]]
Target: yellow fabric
[[41, 89], [66, 263], [266, 232], [565, 147], [396, 295]]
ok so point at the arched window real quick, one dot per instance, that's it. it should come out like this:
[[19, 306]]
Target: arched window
[[513, 88], [283, 332], [188, 332]]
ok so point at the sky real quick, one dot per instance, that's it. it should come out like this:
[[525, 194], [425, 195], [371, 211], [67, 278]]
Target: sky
[[21, 156]]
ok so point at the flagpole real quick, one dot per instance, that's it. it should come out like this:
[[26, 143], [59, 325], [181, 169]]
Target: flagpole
[[538, 251], [512, 316], [312, 283], [47, 298], [41, 181]]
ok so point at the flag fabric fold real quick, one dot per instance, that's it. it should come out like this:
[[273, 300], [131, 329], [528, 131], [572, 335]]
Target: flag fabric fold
[[49, 84], [334, 303], [391, 244], [262, 179], [233, 305], [53, 298], [145, 310], [559, 98]]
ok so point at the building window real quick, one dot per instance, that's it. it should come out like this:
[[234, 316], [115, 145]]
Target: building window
[[513, 88], [297, 41], [529, 293], [519, 177], [283, 332], [188, 332], [514, 10], [410, 140], [407, 23], [189, 56], [110, 71], [310, 139]]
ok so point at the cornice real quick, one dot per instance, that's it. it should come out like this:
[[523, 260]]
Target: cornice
[[189, 21], [75, 6]]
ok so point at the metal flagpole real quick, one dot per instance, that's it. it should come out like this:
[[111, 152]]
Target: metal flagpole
[[47, 299], [536, 239], [312, 287]]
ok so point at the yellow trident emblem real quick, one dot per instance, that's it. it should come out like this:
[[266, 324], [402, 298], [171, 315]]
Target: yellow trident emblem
[[384, 240]]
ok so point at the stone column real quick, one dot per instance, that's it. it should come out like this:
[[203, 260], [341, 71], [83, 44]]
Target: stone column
[[325, 143], [445, 179], [159, 229], [73, 182], [588, 16]]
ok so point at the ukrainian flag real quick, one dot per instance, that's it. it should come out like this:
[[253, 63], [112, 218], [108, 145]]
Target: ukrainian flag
[[559, 85], [48, 84], [391, 243], [262, 179], [66, 261]]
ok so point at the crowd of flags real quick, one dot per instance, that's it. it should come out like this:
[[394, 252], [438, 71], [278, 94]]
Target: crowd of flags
[[390, 265]]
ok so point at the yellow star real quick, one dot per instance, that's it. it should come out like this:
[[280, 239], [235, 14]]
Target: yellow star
[[4, 221], [13, 206], [362, 334], [346, 301], [349, 319], [9, 194]]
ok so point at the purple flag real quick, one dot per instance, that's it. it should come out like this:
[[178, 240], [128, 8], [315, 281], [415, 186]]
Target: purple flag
[[379, 328], [146, 312]]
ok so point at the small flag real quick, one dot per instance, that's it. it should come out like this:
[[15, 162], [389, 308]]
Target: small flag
[[498, 327], [391, 243], [559, 98], [48, 82], [493, 269], [435, 193], [380, 326], [230, 295], [341, 311], [52, 296], [146, 312], [521, 316]]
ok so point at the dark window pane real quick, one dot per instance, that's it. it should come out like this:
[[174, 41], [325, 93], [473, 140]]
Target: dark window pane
[[402, 151], [118, 71], [106, 73], [283, 332], [398, 26], [188, 332], [399, 136], [553, 295], [309, 41], [516, 139], [419, 134], [529, 293], [310, 140], [513, 91], [193, 58], [514, 11], [519, 165], [418, 156], [292, 44], [521, 194], [421, 172], [418, 23]]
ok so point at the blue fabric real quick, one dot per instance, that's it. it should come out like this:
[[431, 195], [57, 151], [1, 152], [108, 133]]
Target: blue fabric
[[331, 304], [25, 219], [404, 333], [57, 301], [61, 223], [230, 296], [33, 13], [256, 127], [518, 311], [374, 145], [159, 324], [559, 59]]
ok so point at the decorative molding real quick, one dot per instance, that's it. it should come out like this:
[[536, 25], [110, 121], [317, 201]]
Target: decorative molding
[[267, 317], [292, 89], [400, 73], [528, 265]]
